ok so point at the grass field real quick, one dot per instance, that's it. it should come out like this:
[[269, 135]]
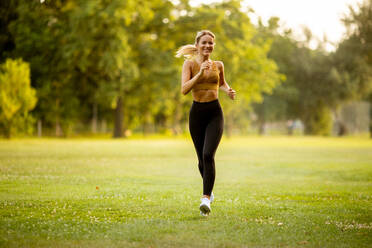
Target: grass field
[[270, 192]]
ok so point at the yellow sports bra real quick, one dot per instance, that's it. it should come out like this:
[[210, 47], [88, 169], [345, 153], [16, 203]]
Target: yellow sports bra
[[210, 78]]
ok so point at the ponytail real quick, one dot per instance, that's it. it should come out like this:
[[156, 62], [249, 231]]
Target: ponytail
[[188, 51]]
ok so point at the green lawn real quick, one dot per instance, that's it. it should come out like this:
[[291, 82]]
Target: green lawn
[[270, 192]]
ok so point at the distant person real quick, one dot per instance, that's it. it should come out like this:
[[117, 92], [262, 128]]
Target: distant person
[[204, 77]]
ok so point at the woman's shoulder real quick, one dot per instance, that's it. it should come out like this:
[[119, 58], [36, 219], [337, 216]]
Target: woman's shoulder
[[188, 62], [219, 64]]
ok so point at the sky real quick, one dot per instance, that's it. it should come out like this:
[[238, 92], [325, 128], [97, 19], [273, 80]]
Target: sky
[[321, 16]]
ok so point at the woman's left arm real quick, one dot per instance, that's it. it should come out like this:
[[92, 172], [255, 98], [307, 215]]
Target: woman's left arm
[[223, 84]]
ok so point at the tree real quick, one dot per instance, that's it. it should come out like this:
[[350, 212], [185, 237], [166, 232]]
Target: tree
[[150, 101], [114, 59], [316, 83], [17, 97], [354, 55], [281, 104], [39, 33], [247, 68], [100, 50], [8, 14]]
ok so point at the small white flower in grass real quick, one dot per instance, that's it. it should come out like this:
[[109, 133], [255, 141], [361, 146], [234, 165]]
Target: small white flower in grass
[[280, 224]]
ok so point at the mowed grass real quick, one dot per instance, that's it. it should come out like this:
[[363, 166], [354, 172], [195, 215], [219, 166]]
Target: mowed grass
[[270, 192]]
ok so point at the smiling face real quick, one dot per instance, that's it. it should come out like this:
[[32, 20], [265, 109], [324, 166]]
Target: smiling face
[[205, 45]]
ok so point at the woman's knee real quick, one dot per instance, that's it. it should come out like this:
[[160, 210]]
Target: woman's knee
[[208, 158]]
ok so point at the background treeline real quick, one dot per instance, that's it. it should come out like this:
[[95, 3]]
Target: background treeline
[[82, 67]]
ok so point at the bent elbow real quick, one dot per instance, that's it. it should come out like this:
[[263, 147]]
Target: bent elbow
[[184, 92]]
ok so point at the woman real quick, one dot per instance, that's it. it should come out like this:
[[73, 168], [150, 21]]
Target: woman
[[204, 77]]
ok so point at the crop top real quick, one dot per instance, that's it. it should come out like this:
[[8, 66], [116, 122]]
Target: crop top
[[209, 80]]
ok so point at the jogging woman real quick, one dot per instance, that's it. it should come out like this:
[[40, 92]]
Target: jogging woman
[[204, 77]]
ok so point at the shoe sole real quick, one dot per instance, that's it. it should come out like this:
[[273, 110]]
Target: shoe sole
[[205, 209]]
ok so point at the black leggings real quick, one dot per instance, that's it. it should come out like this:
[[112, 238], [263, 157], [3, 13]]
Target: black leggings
[[206, 127]]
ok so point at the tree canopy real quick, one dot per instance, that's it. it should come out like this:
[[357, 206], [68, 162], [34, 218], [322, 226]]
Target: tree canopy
[[110, 64]]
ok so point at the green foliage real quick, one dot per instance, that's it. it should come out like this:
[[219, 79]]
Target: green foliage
[[17, 97], [282, 104], [150, 102], [8, 13], [98, 52], [247, 68], [316, 82], [319, 89], [39, 35], [114, 61], [358, 22], [353, 57], [120, 54]]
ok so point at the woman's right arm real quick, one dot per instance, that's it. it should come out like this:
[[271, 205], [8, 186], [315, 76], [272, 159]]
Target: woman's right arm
[[187, 81]]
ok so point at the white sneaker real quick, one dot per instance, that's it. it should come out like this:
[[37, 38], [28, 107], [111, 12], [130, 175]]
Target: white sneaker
[[205, 206], [203, 214], [212, 197]]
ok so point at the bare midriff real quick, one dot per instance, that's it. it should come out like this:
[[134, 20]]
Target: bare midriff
[[204, 95]]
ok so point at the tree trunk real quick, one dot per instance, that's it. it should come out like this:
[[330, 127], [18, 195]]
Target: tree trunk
[[58, 127], [118, 128], [370, 118], [39, 128], [7, 134], [103, 126], [228, 127], [342, 129], [94, 118], [7, 130], [58, 124], [261, 128], [341, 126], [177, 115], [146, 124]]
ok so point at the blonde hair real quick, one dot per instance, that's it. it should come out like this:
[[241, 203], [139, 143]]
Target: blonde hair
[[189, 51]]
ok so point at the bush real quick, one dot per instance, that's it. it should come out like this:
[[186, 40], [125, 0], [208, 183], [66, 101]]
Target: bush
[[17, 98]]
